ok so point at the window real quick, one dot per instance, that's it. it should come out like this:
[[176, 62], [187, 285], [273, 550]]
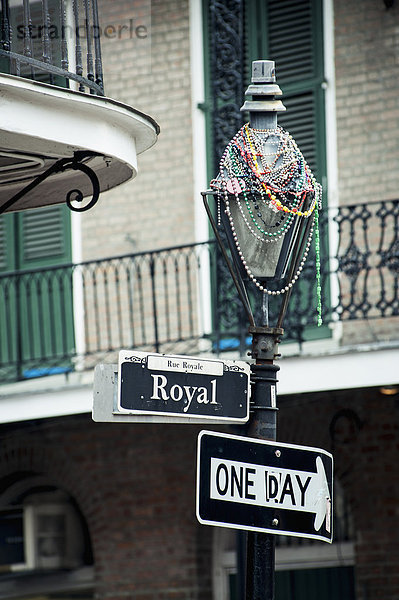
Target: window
[[45, 547], [53, 538], [290, 32]]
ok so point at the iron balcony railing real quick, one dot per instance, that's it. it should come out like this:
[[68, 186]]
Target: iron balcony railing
[[177, 300], [52, 41]]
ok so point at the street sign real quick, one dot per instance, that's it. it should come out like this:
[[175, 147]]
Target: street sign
[[257, 485], [184, 387]]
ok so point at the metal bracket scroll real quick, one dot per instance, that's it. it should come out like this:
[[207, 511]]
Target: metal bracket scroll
[[75, 195]]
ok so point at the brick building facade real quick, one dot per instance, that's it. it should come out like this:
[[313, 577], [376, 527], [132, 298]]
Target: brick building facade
[[134, 486]]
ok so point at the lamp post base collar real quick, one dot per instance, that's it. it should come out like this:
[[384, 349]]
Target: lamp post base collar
[[265, 342]]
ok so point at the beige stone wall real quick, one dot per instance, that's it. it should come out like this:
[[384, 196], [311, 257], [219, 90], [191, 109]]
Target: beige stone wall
[[153, 75]]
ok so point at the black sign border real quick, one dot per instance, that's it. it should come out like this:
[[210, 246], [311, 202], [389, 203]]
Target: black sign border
[[248, 516], [230, 372]]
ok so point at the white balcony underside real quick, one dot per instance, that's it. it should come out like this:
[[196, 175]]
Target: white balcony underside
[[40, 124], [55, 396]]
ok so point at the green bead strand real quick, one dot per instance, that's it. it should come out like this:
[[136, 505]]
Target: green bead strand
[[318, 266]]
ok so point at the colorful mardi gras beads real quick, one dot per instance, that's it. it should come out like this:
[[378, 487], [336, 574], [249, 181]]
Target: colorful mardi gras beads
[[283, 186]]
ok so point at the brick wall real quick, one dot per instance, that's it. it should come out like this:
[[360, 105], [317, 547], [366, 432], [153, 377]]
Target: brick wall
[[156, 209], [367, 85], [367, 104], [360, 427], [135, 486], [152, 75]]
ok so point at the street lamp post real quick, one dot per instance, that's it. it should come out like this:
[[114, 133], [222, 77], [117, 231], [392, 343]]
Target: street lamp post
[[267, 205]]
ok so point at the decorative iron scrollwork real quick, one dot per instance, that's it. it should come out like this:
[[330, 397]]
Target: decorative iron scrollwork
[[227, 68], [75, 195], [49, 61], [352, 262], [227, 71], [390, 258]]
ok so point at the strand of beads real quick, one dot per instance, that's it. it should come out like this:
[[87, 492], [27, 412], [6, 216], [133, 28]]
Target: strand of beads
[[254, 172], [274, 236], [286, 160], [295, 211], [248, 270], [215, 183], [274, 203], [318, 267], [293, 170], [279, 153], [236, 172]]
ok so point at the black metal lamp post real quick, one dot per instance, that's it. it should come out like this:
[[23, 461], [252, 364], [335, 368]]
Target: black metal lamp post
[[268, 204]]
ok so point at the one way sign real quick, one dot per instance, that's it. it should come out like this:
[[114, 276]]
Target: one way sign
[[258, 485]]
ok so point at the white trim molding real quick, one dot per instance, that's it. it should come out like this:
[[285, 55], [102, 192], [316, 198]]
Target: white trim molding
[[360, 367]]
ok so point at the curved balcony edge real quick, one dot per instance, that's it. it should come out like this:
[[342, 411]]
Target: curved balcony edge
[[41, 124]]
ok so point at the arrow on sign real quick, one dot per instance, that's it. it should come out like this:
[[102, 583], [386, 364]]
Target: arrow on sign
[[323, 498], [273, 487]]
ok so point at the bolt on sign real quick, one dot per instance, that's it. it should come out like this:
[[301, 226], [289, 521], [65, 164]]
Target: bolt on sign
[[257, 485], [183, 386]]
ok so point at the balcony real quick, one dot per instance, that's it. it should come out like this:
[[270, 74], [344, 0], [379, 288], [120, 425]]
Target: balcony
[[68, 318], [58, 130]]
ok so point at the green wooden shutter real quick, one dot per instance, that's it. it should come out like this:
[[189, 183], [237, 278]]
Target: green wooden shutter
[[8, 320], [7, 257], [36, 311], [333, 583], [35, 238], [3, 260], [45, 237], [290, 32]]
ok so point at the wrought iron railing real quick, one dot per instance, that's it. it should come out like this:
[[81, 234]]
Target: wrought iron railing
[[53, 41], [72, 316]]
